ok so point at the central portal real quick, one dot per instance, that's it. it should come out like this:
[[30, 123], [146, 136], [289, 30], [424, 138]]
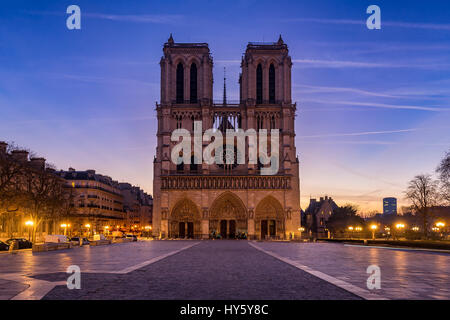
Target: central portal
[[228, 217], [228, 229]]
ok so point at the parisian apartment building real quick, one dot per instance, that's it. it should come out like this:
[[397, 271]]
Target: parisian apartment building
[[98, 203]]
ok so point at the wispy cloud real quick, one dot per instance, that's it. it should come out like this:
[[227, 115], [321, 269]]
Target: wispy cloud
[[103, 80], [136, 18], [143, 18], [412, 25], [365, 133], [376, 105], [321, 89], [316, 63]]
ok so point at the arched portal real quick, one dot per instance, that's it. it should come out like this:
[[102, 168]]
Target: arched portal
[[185, 220], [269, 218], [228, 216]]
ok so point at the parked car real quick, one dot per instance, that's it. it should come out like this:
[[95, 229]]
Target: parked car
[[76, 240], [132, 237], [4, 246], [23, 243]]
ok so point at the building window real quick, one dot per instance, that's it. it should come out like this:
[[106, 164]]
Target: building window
[[259, 84], [193, 83], [180, 83], [271, 83]]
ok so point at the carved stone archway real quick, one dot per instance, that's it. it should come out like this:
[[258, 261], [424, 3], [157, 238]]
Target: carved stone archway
[[185, 214], [269, 209], [228, 207]]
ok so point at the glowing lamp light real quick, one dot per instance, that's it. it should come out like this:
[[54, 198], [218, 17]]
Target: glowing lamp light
[[148, 227], [29, 223], [87, 225], [358, 228], [63, 225], [373, 227], [350, 228], [399, 225], [440, 224], [301, 229], [415, 228]]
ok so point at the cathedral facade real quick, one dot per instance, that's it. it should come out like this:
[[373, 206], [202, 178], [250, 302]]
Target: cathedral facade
[[229, 200]]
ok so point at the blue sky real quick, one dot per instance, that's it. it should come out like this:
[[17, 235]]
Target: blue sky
[[373, 105]]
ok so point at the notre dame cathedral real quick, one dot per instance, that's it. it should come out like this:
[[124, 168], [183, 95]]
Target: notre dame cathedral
[[221, 200]]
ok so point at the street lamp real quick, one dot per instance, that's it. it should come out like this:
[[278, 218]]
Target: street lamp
[[374, 228], [148, 228], [88, 226], [29, 224], [351, 231], [399, 227], [440, 224], [64, 225]]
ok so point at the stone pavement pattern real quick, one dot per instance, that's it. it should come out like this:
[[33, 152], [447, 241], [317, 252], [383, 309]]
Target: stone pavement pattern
[[405, 274], [210, 270], [225, 270]]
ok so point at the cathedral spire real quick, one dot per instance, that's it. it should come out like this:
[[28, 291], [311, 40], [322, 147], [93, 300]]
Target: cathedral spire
[[170, 41], [280, 40], [224, 87]]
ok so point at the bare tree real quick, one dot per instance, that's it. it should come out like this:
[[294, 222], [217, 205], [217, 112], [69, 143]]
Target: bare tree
[[444, 176], [423, 193], [44, 196]]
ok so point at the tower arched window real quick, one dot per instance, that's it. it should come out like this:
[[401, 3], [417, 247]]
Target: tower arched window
[[193, 79], [180, 83], [272, 83], [259, 84]]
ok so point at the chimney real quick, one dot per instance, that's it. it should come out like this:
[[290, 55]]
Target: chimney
[[38, 163], [321, 199], [3, 146], [20, 155]]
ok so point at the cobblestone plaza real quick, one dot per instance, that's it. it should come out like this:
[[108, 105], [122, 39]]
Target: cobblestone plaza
[[225, 269]]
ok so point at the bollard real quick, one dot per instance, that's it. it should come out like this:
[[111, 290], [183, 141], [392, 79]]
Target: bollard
[[13, 246]]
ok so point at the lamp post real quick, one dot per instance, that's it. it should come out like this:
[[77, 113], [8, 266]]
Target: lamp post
[[30, 225], [358, 229], [301, 229], [399, 226], [147, 229], [88, 226], [373, 228], [64, 225], [351, 231]]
